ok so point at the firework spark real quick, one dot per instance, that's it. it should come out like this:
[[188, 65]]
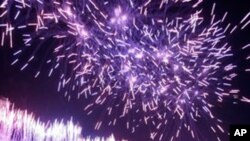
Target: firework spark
[[138, 56], [22, 126]]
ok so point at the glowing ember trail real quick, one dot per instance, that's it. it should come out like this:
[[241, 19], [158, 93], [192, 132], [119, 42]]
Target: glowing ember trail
[[22, 126]]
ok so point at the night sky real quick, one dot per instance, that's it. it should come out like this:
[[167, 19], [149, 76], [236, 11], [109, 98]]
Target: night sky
[[40, 95]]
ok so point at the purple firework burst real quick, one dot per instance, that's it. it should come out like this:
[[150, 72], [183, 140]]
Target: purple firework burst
[[148, 59]]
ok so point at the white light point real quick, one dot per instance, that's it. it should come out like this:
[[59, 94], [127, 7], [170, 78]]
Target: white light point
[[139, 55], [182, 101], [196, 93], [126, 67], [165, 60], [163, 56], [163, 89], [132, 79], [176, 67], [68, 11], [82, 32], [119, 17], [131, 51]]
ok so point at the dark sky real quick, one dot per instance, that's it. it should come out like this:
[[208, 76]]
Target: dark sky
[[40, 96]]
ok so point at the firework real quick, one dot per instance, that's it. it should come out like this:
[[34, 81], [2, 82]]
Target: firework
[[133, 57], [22, 126]]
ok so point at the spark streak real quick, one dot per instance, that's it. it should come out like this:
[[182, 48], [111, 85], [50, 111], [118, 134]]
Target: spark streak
[[23, 126]]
